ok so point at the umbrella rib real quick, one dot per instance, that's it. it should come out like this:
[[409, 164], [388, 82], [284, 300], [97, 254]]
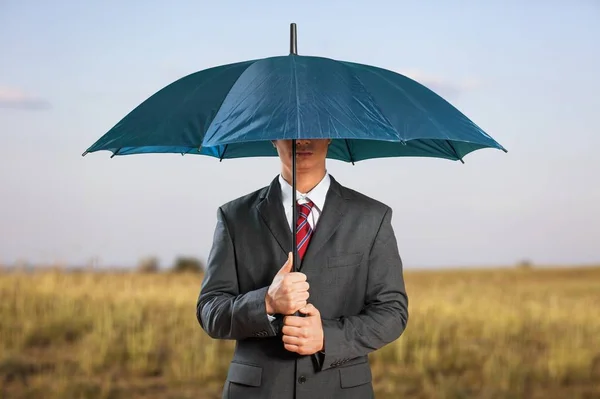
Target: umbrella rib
[[349, 152], [241, 100], [383, 118], [187, 152], [223, 153], [454, 150], [116, 152], [417, 104], [192, 94]]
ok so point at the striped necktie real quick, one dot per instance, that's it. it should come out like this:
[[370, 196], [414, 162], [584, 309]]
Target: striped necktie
[[303, 229]]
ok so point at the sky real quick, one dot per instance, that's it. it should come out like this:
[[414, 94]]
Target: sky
[[526, 72]]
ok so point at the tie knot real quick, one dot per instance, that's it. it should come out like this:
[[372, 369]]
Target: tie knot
[[304, 209]]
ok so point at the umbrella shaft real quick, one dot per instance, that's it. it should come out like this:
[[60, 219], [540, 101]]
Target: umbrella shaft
[[294, 209]]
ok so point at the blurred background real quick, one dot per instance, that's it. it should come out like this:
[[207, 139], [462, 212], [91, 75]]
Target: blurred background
[[102, 258]]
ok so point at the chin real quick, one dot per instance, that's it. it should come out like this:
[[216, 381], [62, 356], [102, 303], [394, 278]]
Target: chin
[[305, 164]]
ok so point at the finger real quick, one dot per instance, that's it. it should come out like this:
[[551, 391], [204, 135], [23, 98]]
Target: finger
[[304, 350], [291, 307], [292, 296], [293, 340], [287, 266], [291, 348], [303, 297], [296, 277], [295, 321], [290, 320], [296, 305], [310, 310], [301, 286], [292, 331], [298, 297]]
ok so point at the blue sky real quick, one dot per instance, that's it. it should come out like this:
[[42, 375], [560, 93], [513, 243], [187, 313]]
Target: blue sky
[[526, 72]]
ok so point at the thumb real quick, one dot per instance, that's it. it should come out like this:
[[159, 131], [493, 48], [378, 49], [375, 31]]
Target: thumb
[[287, 267], [310, 310]]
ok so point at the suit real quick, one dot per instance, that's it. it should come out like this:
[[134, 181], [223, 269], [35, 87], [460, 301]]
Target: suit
[[356, 282]]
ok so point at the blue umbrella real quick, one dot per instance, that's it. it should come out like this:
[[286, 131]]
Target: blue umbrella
[[235, 110]]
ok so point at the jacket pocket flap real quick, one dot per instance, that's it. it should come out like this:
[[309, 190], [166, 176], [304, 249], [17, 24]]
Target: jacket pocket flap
[[355, 375], [345, 260], [245, 374]]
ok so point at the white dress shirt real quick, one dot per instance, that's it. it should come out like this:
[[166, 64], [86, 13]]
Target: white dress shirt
[[317, 195]]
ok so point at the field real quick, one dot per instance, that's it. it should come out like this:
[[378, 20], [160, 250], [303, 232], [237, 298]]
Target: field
[[504, 333]]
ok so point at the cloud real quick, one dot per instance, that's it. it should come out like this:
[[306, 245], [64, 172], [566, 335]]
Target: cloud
[[18, 99], [441, 86]]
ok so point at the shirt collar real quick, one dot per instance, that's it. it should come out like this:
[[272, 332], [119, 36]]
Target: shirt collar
[[317, 195]]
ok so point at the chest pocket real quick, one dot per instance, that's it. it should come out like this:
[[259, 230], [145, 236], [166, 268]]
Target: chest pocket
[[348, 260]]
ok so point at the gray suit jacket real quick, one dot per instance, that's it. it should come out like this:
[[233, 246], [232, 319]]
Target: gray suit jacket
[[355, 275]]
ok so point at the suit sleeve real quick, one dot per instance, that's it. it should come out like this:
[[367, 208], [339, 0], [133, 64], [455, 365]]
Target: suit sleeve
[[222, 311], [385, 314]]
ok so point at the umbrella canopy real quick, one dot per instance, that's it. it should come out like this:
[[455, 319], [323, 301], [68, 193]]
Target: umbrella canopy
[[234, 110]]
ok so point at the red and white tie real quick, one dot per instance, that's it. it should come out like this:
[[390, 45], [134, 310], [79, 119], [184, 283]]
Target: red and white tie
[[303, 229]]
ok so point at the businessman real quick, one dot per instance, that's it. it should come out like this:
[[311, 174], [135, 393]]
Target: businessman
[[349, 286]]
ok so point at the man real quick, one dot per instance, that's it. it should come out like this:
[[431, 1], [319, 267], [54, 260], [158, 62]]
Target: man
[[349, 286]]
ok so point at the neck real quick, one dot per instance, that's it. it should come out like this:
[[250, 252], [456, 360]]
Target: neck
[[305, 180]]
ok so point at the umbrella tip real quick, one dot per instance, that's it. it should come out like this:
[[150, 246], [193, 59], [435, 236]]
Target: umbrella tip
[[84, 153], [293, 39]]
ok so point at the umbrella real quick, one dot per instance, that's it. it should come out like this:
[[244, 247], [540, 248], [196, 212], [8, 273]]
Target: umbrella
[[236, 110]]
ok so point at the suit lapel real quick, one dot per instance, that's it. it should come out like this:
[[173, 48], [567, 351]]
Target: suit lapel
[[331, 218], [272, 213]]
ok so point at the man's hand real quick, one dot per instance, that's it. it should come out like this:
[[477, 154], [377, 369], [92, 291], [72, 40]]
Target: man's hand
[[303, 335], [288, 291]]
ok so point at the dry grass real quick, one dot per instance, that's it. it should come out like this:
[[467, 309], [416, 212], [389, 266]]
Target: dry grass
[[472, 334]]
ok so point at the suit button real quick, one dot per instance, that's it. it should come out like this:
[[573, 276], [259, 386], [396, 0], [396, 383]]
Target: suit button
[[302, 379]]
